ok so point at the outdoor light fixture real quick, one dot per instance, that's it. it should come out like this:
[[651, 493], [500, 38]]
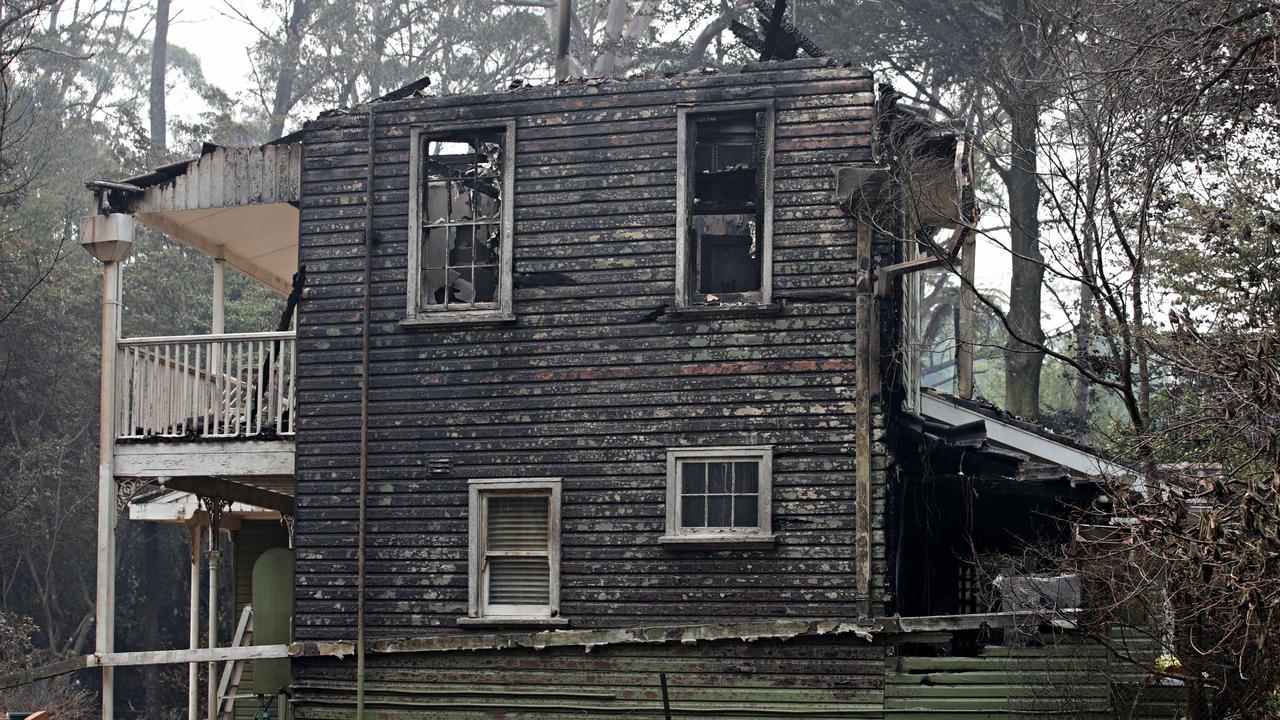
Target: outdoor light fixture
[[107, 237]]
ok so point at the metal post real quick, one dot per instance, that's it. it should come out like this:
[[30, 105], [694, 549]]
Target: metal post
[[193, 669], [564, 15], [104, 608]]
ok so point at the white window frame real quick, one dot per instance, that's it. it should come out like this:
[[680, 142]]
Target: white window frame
[[415, 315], [763, 534], [479, 612], [684, 195]]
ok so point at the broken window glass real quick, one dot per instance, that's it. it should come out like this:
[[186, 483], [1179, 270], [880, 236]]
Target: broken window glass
[[461, 215], [727, 206]]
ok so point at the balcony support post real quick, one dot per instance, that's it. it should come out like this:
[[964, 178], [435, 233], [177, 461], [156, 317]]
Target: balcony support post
[[219, 294], [105, 601]]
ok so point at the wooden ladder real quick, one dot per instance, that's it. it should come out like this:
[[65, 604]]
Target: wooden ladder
[[229, 679]]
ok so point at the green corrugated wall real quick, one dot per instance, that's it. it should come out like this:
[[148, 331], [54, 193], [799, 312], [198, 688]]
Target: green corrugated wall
[[814, 678]]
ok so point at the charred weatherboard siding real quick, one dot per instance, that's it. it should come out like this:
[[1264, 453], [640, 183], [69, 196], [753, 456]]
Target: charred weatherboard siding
[[596, 377]]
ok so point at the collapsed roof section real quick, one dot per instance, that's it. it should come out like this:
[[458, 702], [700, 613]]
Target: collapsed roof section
[[972, 437]]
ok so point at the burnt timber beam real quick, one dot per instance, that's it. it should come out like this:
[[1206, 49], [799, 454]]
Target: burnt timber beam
[[887, 273], [233, 491]]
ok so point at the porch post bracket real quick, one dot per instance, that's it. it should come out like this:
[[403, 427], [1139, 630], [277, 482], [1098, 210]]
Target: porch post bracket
[[286, 519], [214, 506], [126, 488]]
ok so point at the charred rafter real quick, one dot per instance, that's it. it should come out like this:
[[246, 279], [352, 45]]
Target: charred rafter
[[782, 40]]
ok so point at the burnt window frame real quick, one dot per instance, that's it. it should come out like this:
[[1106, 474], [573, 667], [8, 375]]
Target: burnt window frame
[[503, 308], [686, 116], [758, 536]]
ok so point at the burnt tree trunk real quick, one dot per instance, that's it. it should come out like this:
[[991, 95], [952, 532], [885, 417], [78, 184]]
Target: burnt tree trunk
[[159, 66]]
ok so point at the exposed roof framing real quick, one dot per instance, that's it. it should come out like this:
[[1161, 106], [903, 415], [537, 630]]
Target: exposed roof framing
[[1036, 443]]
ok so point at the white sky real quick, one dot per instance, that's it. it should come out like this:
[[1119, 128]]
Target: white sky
[[208, 30]]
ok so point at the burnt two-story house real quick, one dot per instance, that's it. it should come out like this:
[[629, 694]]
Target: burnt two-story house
[[599, 401]]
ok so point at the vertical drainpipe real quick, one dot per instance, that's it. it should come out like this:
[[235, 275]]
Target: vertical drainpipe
[[108, 237], [564, 15], [364, 419]]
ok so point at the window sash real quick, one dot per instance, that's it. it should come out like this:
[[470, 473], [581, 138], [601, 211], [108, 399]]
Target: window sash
[[420, 226], [677, 459], [688, 247], [481, 492]]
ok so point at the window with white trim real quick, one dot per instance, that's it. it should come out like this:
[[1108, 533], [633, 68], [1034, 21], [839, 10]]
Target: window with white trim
[[461, 223], [721, 494], [514, 549], [724, 232]]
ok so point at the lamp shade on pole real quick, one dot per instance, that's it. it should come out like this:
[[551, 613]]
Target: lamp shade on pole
[[109, 238]]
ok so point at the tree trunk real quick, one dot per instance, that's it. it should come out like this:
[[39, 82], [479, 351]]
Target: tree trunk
[[159, 65], [1084, 340], [607, 63], [151, 623], [283, 101], [1022, 360]]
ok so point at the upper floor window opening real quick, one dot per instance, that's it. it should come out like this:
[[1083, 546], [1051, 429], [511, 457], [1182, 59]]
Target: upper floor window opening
[[461, 223], [724, 251]]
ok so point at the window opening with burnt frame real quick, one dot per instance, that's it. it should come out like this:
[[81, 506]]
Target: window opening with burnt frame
[[462, 219], [726, 198]]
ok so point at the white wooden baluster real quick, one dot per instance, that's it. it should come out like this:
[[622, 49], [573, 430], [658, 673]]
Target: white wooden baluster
[[257, 406]]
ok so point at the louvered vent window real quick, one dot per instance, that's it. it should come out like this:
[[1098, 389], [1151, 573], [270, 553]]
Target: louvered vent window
[[515, 548], [517, 552]]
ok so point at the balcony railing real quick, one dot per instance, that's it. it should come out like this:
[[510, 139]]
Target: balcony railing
[[206, 386]]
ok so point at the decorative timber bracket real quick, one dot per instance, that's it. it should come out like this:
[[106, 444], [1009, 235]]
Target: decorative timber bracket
[[126, 489], [286, 519], [214, 506]]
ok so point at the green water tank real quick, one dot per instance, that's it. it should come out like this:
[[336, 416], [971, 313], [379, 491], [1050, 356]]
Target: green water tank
[[272, 617]]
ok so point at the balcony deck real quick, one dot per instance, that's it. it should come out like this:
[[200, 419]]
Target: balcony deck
[[210, 405]]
